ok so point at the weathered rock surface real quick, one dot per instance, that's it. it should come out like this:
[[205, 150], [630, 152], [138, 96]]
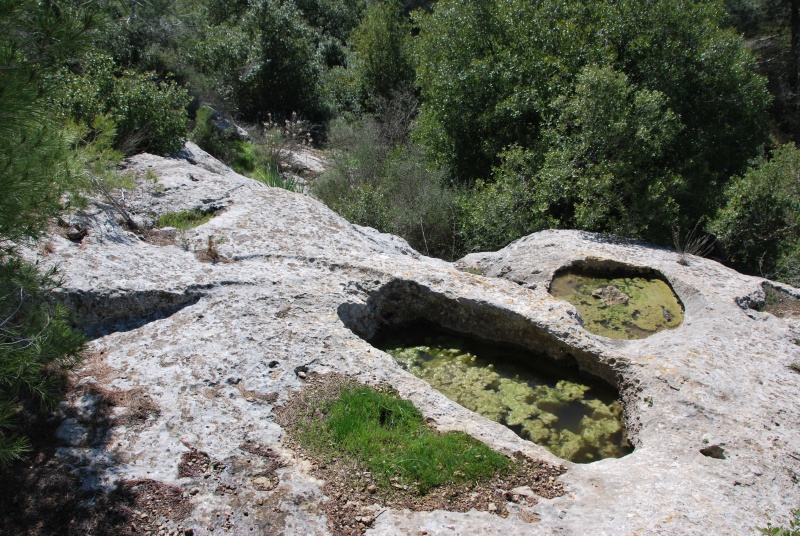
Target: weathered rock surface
[[611, 295], [217, 347]]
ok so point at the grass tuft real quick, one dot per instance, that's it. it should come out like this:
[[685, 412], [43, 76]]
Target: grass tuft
[[183, 220], [271, 176], [388, 436]]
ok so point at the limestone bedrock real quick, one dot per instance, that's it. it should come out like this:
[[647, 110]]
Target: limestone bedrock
[[217, 347]]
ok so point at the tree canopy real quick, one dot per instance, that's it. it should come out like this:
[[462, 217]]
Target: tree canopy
[[577, 84]]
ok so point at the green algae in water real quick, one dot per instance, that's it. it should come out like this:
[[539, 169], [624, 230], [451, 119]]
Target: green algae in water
[[574, 418], [652, 306]]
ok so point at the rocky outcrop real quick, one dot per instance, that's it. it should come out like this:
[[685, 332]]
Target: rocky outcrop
[[216, 346]]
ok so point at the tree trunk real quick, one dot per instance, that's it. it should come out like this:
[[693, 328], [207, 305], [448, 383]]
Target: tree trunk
[[794, 21]]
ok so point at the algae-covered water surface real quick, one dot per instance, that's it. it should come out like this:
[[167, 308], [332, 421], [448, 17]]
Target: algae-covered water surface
[[573, 417], [620, 307]]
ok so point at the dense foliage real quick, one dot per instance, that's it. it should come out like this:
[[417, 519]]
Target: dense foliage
[[760, 224], [149, 116], [37, 168], [608, 99]]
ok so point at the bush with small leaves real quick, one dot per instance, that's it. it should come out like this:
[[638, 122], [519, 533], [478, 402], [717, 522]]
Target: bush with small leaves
[[759, 225], [149, 115]]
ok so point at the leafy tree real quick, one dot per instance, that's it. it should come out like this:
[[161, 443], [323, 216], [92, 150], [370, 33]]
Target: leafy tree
[[759, 226], [148, 116], [496, 74], [36, 169], [381, 44], [282, 74], [607, 167]]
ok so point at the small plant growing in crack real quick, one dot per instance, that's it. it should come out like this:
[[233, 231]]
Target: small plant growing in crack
[[691, 244], [211, 253], [792, 530]]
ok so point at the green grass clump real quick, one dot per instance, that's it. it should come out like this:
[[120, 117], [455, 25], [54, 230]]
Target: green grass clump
[[388, 436], [271, 176], [243, 157], [186, 219]]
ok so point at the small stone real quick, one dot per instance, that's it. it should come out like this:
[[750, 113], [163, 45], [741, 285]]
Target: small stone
[[76, 234], [713, 451], [301, 375], [611, 295], [261, 502], [372, 488], [194, 491], [492, 508], [524, 491]]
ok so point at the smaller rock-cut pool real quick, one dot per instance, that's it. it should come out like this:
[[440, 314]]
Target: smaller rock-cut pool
[[620, 307], [575, 418]]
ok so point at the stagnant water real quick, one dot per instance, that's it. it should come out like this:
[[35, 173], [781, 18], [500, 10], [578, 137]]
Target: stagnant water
[[647, 305], [575, 418]]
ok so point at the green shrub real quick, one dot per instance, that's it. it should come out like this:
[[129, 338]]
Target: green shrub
[[242, 156], [382, 47], [343, 91], [388, 436], [37, 344], [218, 53], [260, 158], [393, 190], [421, 206], [496, 213], [271, 176], [206, 136], [149, 116], [792, 530], [759, 225], [283, 70]]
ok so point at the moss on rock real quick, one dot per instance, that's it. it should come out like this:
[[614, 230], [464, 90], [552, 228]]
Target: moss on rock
[[651, 305]]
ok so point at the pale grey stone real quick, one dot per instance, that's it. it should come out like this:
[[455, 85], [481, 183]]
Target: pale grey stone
[[296, 285]]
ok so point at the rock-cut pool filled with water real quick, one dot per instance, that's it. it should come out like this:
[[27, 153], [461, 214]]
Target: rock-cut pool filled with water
[[620, 307], [576, 418]]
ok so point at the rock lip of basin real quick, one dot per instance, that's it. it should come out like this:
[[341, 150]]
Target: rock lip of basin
[[217, 346]]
